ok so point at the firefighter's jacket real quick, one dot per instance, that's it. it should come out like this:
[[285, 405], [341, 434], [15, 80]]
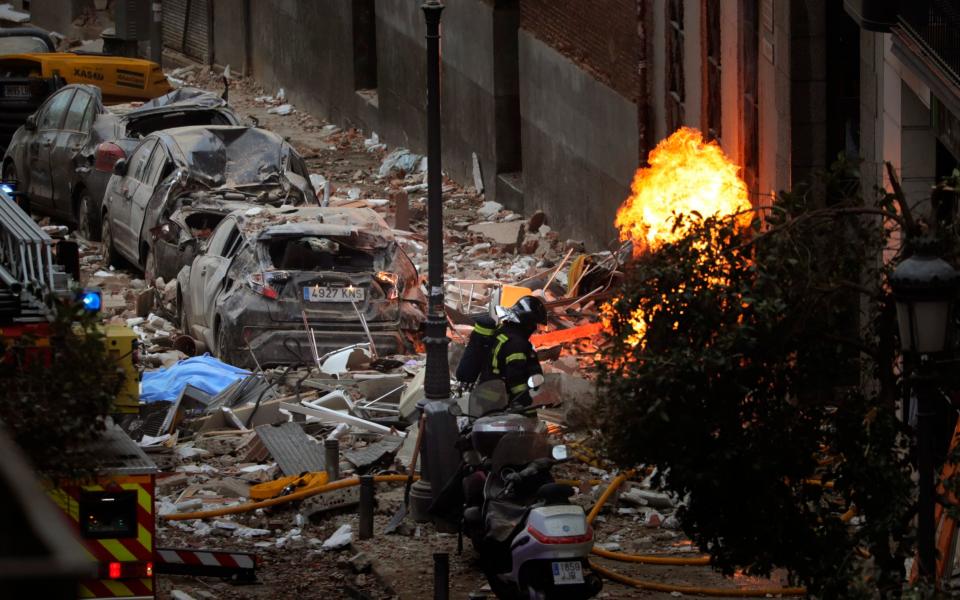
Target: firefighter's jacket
[[477, 352], [513, 360]]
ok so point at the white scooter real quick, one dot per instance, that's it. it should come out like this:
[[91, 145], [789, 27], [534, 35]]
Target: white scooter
[[533, 543]]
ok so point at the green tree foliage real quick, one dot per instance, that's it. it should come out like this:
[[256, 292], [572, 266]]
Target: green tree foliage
[[51, 408], [769, 364]]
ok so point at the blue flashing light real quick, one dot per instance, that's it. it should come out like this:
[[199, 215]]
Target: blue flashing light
[[91, 300], [7, 189]]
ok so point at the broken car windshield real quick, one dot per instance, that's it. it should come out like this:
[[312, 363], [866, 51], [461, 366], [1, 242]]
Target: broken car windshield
[[313, 253], [233, 157]]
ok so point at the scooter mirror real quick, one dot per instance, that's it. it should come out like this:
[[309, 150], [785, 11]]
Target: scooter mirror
[[559, 452], [455, 410]]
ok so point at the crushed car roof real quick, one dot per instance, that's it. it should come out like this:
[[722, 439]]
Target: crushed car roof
[[227, 154], [185, 96], [269, 222]]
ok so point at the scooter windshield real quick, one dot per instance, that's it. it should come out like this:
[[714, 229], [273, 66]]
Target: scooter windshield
[[487, 397], [519, 449]]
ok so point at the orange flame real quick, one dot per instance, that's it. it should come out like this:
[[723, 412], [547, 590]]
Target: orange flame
[[686, 175]]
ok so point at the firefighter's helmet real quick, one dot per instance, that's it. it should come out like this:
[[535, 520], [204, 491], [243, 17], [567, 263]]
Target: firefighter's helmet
[[529, 311]]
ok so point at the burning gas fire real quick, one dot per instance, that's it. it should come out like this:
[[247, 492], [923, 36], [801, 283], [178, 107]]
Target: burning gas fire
[[687, 175]]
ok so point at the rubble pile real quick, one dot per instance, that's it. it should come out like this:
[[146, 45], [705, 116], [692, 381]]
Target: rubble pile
[[223, 436]]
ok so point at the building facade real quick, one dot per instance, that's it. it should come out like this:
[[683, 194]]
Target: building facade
[[561, 100], [909, 90]]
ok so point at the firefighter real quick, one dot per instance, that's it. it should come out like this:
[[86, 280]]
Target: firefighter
[[513, 358], [477, 352]]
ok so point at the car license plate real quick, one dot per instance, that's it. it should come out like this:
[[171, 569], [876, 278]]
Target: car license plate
[[567, 573], [16, 91], [323, 293]]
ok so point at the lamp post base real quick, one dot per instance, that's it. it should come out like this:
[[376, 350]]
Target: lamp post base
[[421, 497]]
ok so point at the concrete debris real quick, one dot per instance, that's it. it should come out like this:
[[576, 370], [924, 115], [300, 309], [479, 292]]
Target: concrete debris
[[251, 532], [638, 496], [340, 539], [283, 110], [489, 209], [360, 563], [402, 160], [508, 234], [189, 505], [477, 174], [171, 483], [315, 508], [264, 423]]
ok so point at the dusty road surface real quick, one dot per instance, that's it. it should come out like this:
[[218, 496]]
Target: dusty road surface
[[292, 563]]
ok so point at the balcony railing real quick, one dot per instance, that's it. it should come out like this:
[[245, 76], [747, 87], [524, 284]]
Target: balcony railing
[[935, 26]]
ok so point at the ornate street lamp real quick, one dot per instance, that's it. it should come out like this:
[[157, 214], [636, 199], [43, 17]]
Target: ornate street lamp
[[924, 288], [438, 456]]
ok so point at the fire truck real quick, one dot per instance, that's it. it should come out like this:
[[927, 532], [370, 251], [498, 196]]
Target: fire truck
[[111, 511]]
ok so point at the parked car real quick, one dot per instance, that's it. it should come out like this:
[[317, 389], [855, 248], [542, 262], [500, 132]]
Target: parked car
[[63, 156], [264, 272], [28, 79], [179, 183], [25, 40], [21, 94]]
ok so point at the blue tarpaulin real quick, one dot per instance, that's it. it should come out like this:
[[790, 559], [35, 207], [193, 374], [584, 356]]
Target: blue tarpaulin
[[204, 372]]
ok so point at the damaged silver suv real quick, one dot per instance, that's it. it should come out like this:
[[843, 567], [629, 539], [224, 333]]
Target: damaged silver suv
[[280, 286], [179, 183]]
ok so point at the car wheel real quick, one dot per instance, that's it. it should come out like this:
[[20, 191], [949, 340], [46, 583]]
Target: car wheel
[[85, 217], [222, 348], [10, 176], [109, 250]]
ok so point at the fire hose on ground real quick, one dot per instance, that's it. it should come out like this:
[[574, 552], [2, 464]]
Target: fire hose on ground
[[668, 560], [618, 556], [297, 495]]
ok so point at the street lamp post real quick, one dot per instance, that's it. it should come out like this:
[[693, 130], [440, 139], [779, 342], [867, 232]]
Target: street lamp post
[[924, 288], [437, 381], [439, 433]]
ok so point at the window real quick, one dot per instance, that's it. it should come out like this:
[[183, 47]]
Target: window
[[157, 160], [364, 45], [108, 514], [53, 112], [88, 117], [675, 84], [138, 161], [22, 45], [77, 112], [223, 238], [750, 30], [712, 116]]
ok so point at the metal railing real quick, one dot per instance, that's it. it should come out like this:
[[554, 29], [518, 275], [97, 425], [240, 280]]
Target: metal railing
[[935, 25], [26, 251]]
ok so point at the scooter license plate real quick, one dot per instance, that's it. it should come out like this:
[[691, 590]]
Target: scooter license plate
[[567, 572]]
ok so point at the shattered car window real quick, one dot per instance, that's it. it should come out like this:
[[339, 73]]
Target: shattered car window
[[202, 224], [236, 156], [22, 45], [314, 253]]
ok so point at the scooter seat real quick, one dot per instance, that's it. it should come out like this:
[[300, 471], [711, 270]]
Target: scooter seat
[[554, 493]]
